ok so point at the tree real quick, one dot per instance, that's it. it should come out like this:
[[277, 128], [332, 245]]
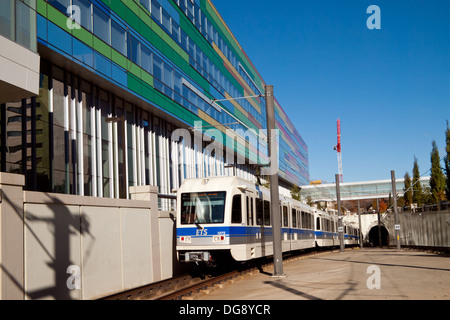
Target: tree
[[447, 162], [383, 207], [408, 190], [437, 181], [295, 193], [417, 189]]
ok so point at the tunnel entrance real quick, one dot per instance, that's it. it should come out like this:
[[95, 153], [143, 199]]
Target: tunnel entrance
[[374, 237]]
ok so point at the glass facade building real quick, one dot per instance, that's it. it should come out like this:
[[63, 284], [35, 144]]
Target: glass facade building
[[117, 78]]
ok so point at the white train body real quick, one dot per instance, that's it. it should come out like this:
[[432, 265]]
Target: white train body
[[229, 215]]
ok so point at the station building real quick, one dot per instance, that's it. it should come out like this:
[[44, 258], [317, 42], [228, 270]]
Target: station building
[[92, 90]]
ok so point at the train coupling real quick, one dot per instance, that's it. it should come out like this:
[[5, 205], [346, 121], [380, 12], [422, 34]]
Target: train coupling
[[196, 257]]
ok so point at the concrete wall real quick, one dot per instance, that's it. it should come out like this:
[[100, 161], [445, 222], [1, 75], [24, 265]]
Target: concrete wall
[[430, 229], [109, 245], [19, 74], [11, 237]]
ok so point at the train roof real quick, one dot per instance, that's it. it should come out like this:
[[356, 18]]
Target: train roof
[[217, 183]]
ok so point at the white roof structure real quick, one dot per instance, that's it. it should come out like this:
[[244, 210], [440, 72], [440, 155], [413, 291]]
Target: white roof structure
[[357, 190]]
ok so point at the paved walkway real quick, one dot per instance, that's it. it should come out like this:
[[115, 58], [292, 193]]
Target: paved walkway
[[392, 275]]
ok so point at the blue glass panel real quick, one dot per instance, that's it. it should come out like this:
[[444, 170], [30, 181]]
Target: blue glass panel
[[59, 38], [42, 27], [119, 75], [83, 53], [102, 65]]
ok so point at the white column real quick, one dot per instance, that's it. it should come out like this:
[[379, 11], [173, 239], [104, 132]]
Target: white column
[[111, 157], [134, 156], [99, 164], [93, 148], [115, 163], [125, 123], [80, 148]]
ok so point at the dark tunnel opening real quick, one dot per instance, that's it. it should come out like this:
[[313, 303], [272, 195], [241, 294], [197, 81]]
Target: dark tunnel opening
[[374, 237]]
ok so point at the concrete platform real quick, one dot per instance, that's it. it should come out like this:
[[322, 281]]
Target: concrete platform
[[368, 274]]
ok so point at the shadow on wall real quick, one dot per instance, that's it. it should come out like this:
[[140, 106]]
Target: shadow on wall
[[52, 231]]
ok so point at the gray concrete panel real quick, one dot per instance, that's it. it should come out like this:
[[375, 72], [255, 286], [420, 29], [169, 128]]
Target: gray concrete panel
[[101, 252], [52, 242]]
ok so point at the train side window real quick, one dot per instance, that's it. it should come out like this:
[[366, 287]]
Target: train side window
[[266, 213], [294, 219], [236, 213], [247, 208], [305, 218], [259, 212], [299, 220], [318, 224], [285, 217], [252, 210]]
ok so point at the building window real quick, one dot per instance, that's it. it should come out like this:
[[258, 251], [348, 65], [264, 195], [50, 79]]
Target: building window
[[166, 21], [7, 18], [157, 67], [85, 13], [101, 25], [61, 5], [156, 10], [118, 38], [146, 4], [146, 60], [134, 52]]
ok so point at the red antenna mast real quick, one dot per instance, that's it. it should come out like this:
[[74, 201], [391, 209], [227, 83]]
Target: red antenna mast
[[338, 148]]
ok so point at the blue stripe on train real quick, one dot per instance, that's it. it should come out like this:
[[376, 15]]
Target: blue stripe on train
[[236, 231]]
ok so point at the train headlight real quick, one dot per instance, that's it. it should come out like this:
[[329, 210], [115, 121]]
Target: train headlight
[[218, 239], [185, 239]]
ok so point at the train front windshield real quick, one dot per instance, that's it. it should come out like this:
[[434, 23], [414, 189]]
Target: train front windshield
[[203, 208]]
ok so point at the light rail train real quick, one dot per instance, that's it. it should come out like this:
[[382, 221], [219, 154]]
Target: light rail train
[[228, 216]]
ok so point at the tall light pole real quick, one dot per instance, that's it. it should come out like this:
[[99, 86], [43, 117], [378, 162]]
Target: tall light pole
[[273, 177], [341, 222], [397, 224], [274, 192], [360, 226]]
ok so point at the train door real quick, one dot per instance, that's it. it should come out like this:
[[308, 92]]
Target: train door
[[249, 210]]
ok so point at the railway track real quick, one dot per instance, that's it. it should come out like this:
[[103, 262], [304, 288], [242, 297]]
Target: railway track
[[156, 290], [431, 249], [189, 287]]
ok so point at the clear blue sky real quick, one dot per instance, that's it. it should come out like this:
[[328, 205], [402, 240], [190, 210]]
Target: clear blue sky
[[389, 87]]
